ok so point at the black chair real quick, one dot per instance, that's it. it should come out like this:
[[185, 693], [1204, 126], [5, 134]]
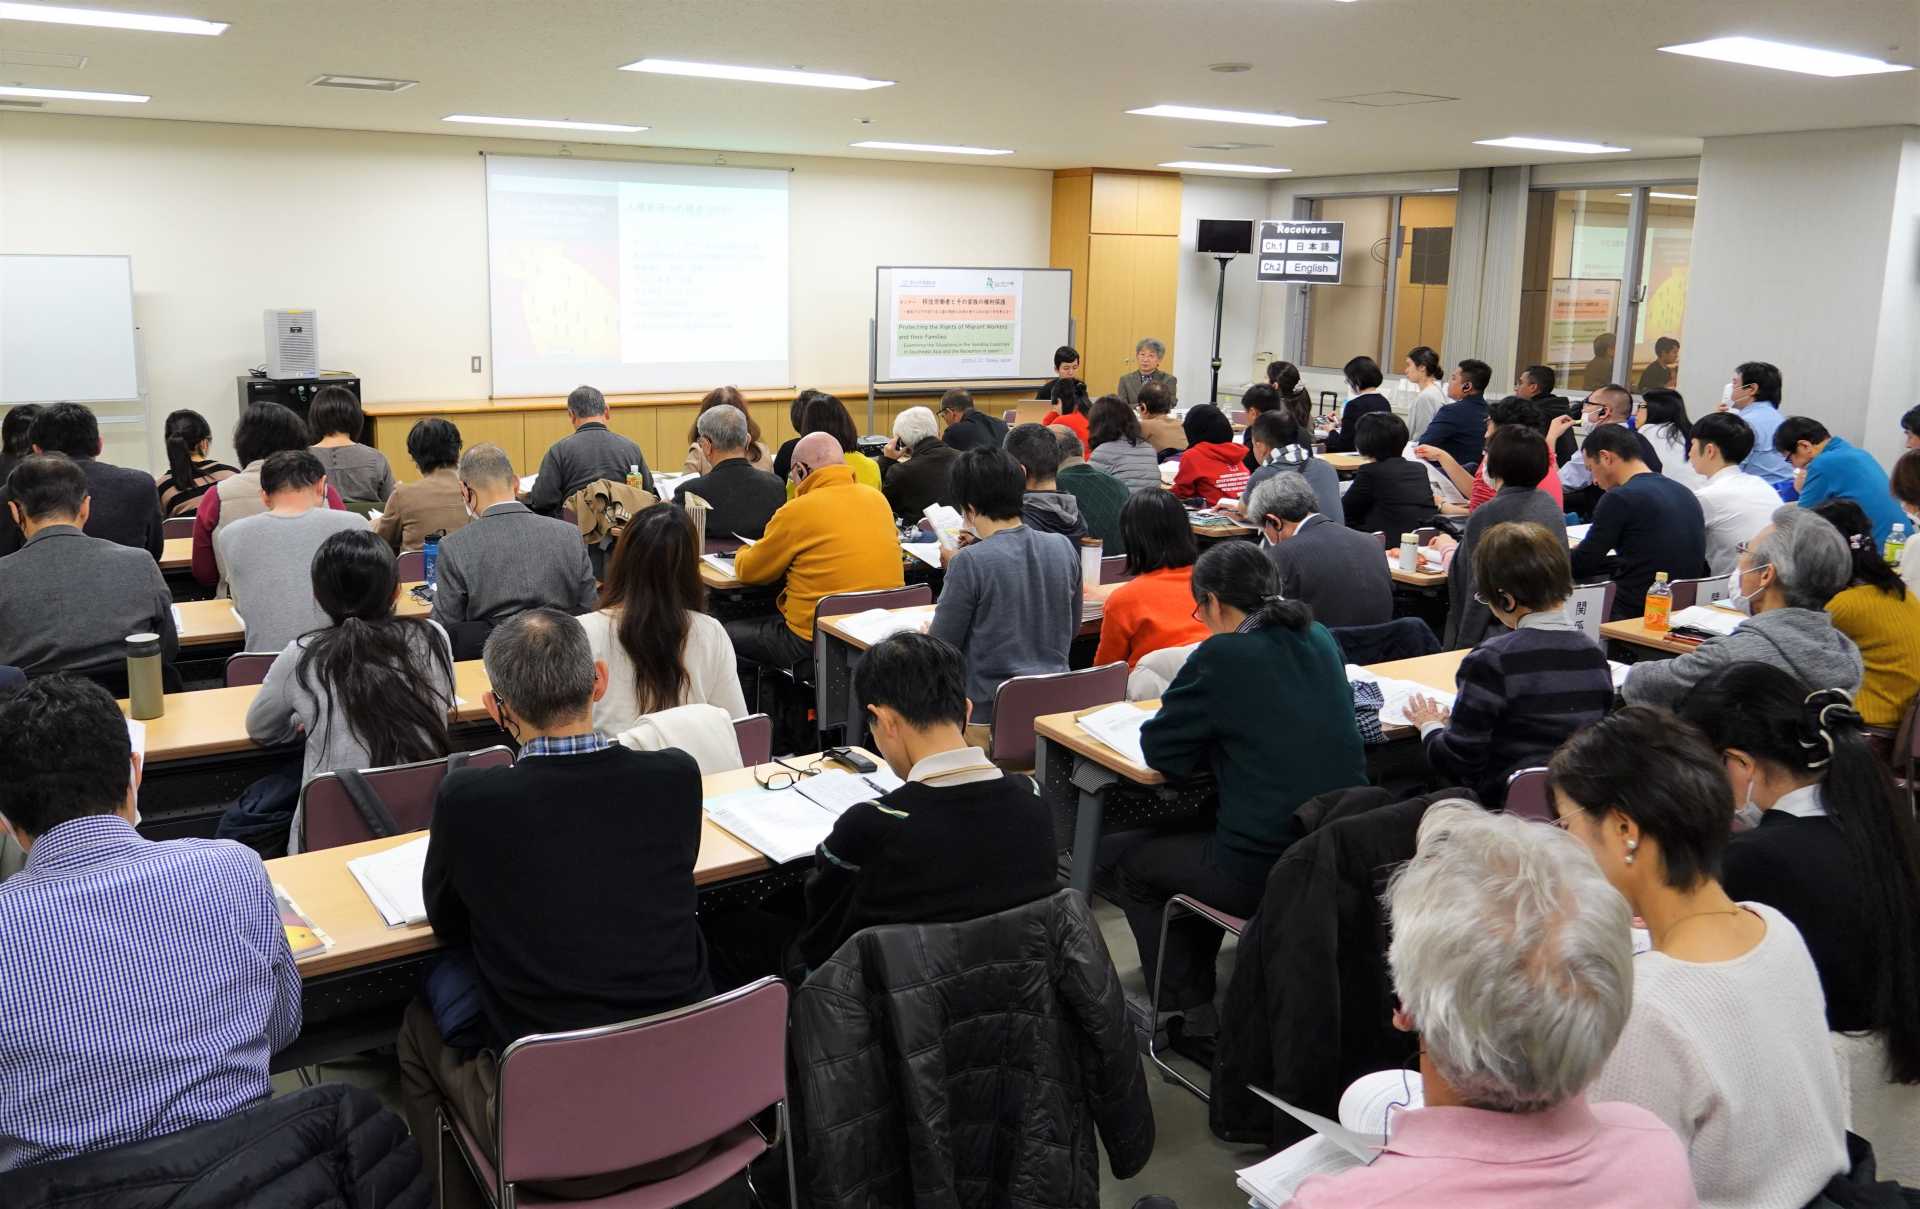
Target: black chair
[[1403, 638]]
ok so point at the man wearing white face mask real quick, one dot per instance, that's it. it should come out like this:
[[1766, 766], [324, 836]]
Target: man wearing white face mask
[[1784, 578]]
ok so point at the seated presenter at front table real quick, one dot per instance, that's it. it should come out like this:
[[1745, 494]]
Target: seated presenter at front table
[[1147, 355]]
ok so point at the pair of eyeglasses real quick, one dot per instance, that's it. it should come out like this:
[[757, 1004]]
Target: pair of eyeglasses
[[790, 775]]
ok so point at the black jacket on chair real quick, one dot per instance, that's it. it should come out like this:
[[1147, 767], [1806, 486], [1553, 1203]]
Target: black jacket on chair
[[968, 1064], [326, 1146], [1310, 1007]]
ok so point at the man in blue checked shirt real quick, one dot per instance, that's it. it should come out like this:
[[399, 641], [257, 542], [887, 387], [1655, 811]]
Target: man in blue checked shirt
[[143, 986]]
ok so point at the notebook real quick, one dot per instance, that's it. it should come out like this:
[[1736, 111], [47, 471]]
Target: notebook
[[834, 792], [1366, 1111], [1118, 726], [874, 624], [391, 879], [782, 825]]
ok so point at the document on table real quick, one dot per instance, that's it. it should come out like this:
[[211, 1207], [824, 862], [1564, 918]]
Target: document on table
[[1396, 694], [722, 563], [780, 824], [834, 792], [1118, 726], [391, 879], [874, 624], [1707, 619]]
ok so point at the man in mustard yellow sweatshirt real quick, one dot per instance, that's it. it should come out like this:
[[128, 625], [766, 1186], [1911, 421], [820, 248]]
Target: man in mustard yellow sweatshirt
[[834, 535]]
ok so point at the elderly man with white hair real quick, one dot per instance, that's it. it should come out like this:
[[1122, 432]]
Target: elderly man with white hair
[[916, 465], [1512, 960], [1784, 577], [742, 499]]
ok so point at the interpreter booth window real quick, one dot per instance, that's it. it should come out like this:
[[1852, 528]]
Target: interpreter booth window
[[1392, 295], [1600, 262]]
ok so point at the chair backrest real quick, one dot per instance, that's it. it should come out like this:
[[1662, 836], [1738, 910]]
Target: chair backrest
[[1527, 795], [176, 526], [1024, 698], [249, 667], [328, 817], [1590, 606], [412, 566], [1010, 415], [840, 603], [606, 1099], [1690, 592], [1113, 569], [754, 733]]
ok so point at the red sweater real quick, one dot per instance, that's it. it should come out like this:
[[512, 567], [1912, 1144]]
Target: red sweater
[[1148, 614], [1075, 420], [1483, 490], [1210, 470]]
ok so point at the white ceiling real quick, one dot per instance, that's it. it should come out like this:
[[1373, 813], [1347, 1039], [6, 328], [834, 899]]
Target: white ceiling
[[1049, 78]]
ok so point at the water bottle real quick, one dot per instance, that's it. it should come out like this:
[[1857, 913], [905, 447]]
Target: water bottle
[[430, 561], [146, 697], [1896, 543], [635, 479], [1409, 551], [1659, 603]]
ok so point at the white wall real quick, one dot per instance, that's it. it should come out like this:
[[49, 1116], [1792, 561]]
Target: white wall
[[1804, 254], [385, 234], [1216, 197]]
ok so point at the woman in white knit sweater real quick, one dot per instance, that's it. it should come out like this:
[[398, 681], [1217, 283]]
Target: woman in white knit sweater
[[1727, 1040]]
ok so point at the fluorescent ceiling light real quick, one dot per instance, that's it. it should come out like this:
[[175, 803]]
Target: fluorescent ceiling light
[[941, 148], [1667, 196], [73, 94], [1785, 56], [1244, 117], [755, 75], [101, 18], [1208, 166], [1525, 143], [478, 119]]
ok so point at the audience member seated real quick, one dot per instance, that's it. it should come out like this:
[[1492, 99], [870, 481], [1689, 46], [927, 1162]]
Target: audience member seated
[[662, 649], [835, 535], [591, 452], [1066, 374], [1536, 383], [358, 472], [1153, 610], [432, 504], [603, 929], [1363, 399], [1070, 407], [1644, 524], [368, 688], [1423, 373], [753, 451], [1828, 468], [1279, 446], [1158, 425], [1904, 485], [1727, 1039], [915, 466], [1222, 716], [1148, 354], [263, 430], [69, 601], [796, 411], [1784, 577], [1295, 402], [1214, 464], [1099, 494], [1600, 369], [1735, 505], [1260, 399], [1460, 428], [960, 840], [1521, 692], [144, 987], [123, 509], [507, 560], [1834, 850], [741, 497], [1882, 618], [190, 471], [1474, 484], [829, 415], [1511, 961], [1910, 427], [1120, 447], [967, 426], [1607, 406], [1011, 603], [1389, 493], [1340, 573], [1661, 416], [1755, 398], [16, 441], [1046, 507], [1514, 453], [269, 557]]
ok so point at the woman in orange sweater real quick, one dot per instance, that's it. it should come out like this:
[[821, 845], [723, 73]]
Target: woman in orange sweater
[[1214, 464], [1154, 610], [1070, 407]]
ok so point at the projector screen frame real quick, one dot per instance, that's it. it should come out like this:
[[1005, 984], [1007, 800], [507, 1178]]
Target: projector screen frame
[[878, 387]]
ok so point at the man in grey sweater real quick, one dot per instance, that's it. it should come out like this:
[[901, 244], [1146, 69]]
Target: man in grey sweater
[[1789, 572], [269, 557], [590, 453]]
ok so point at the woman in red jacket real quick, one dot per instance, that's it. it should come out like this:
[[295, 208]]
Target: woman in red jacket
[[1070, 407], [1214, 464]]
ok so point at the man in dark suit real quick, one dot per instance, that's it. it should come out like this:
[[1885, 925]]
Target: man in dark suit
[[1147, 355], [124, 504], [1460, 427], [916, 467], [1340, 573], [967, 426], [742, 500]]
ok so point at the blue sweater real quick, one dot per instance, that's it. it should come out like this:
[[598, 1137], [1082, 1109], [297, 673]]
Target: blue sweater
[[1011, 603], [1845, 472]]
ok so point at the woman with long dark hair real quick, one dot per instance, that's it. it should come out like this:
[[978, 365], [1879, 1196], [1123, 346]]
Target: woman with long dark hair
[[1879, 614], [1661, 417], [1070, 408], [652, 630], [190, 472], [1284, 377], [14, 443], [369, 690]]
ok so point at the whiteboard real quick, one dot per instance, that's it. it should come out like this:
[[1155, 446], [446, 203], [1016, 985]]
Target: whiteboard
[[959, 324], [66, 329]]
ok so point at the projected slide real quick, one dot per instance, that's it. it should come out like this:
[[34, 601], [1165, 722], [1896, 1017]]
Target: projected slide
[[635, 277], [955, 323]]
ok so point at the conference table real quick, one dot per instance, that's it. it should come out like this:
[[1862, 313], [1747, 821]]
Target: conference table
[[1059, 741], [1343, 464], [1634, 632], [176, 554], [214, 622]]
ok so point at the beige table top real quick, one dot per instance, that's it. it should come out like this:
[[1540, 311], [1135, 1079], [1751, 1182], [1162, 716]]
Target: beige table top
[[176, 554], [921, 614], [1344, 463], [1634, 630], [210, 622]]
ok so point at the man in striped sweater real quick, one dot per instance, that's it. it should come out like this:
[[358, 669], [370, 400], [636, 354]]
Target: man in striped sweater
[[1519, 694]]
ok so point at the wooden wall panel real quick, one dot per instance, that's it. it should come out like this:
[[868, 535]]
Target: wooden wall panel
[[1116, 204], [1159, 206], [543, 428], [1156, 292], [1072, 200], [1107, 347]]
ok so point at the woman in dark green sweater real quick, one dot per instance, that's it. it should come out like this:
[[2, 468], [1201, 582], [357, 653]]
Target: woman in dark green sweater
[[1263, 705]]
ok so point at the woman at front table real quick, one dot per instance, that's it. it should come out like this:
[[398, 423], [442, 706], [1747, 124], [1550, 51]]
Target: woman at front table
[[1268, 752], [372, 689]]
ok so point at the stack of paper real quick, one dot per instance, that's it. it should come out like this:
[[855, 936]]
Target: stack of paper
[[392, 880], [780, 824], [1118, 726], [874, 624], [834, 792], [1092, 607], [1353, 1141], [1707, 619], [722, 563], [1396, 694]]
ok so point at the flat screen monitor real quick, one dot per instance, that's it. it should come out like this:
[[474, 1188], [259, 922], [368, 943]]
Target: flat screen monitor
[[1221, 236]]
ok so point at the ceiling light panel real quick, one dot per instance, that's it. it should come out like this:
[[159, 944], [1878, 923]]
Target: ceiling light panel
[[477, 119], [1209, 166], [100, 18], [1785, 56], [1529, 143], [755, 75], [73, 94], [1242, 117], [936, 148]]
